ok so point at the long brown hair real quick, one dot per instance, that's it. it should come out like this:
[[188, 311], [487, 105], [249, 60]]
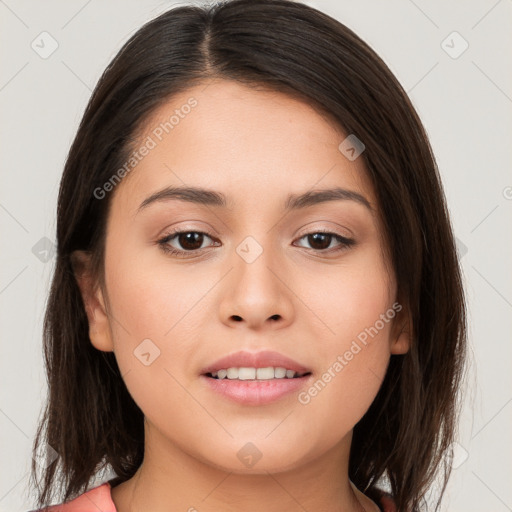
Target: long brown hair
[[90, 419]]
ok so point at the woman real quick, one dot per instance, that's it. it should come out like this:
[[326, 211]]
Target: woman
[[257, 301]]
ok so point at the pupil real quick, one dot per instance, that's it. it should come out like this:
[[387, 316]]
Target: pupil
[[317, 237], [189, 240], [193, 240]]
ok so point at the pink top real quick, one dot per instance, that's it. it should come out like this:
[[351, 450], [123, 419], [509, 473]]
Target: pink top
[[100, 499], [94, 500]]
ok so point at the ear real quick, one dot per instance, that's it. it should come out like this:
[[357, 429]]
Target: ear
[[401, 333], [100, 333]]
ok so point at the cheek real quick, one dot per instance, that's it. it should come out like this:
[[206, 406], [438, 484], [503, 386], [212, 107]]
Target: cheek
[[153, 298], [157, 309], [348, 300], [355, 363], [356, 313], [153, 331]]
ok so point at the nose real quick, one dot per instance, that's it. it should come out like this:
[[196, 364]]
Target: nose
[[256, 293]]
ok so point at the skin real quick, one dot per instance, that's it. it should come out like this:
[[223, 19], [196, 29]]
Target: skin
[[256, 147]]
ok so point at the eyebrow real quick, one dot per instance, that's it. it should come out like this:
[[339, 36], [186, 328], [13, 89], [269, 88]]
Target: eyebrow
[[208, 197]]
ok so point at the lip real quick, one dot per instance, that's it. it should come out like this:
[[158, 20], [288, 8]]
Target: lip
[[252, 392], [262, 359], [256, 392]]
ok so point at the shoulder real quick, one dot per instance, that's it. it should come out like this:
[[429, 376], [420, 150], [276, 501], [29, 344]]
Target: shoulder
[[386, 502], [98, 498]]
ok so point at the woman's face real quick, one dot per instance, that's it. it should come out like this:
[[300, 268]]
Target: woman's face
[[253, 277]]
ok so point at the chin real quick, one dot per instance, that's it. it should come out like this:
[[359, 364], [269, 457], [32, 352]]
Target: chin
[[255, 458]]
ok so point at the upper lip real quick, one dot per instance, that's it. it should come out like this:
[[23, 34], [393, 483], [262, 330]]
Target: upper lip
[[261, 359]]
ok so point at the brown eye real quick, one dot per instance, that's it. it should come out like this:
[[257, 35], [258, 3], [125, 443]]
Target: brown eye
[[183, 242], [321, 241], [191, 240]]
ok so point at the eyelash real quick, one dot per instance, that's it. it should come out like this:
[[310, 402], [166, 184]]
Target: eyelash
[[345, 243]]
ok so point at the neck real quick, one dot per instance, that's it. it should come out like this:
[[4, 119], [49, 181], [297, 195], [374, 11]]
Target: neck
[[171, 479]]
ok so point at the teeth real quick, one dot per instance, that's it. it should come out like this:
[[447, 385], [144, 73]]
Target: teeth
[[245, 373], [232, 373], [280, 373], [265, 373]]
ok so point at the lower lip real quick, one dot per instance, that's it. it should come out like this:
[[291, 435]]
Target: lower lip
[[252, 392]]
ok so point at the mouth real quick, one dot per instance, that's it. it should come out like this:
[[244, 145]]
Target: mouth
[[254, 386], [268, 373], [263, 365], [255, 378]]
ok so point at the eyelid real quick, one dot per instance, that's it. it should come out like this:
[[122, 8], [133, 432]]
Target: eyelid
[[173, 233], [326, 226], [329, 231], [304, 232], [171, 230], [344, 243]]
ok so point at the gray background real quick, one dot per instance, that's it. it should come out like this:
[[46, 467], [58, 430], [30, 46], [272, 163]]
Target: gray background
[[464, 100]]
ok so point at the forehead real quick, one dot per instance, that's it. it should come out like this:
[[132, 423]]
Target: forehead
[[250, 144]]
